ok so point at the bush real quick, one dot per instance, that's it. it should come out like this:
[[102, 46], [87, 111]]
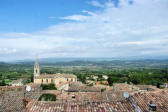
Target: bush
[[112, 80], [48, 87], [103, 89], [2, 83], [47, 97]]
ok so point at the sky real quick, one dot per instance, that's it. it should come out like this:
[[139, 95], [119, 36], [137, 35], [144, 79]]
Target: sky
[[83, 28]]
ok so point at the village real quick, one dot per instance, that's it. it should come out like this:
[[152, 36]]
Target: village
[[71, 95], [84, 56]]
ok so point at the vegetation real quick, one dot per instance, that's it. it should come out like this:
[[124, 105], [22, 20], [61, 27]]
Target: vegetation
[[2, 83], [47, 97], [10, 72], [91, 84], [153, 72], [103, 89], [48, 87]]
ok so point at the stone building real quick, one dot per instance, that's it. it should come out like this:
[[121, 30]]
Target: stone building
[[19, 82], [105, 77], [58, 79]]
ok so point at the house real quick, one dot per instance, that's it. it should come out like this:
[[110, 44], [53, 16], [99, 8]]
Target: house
[[166, 85], [95, 77], [105, 77], [19, 82], [102, 82]]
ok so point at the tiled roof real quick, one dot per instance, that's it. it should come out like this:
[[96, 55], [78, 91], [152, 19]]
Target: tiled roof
[[12, 101], [111, 101], [124, 106], [159, 98], [56, 76], [96, 102], [78, 87], [101, 82], [145, 87]]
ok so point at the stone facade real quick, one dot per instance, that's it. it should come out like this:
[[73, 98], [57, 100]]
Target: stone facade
[[36, 68], [54, 78], [57, 79]]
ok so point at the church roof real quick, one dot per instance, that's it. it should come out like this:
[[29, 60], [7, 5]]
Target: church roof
[[56, 76], [65, 75]]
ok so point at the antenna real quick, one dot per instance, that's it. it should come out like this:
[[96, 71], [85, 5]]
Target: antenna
[[28, 88], [126, 95]]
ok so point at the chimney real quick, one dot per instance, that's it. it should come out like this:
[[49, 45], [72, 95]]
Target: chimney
[[152, 107]]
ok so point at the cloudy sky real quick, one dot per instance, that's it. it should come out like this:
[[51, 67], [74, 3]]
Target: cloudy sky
[[83, 28]]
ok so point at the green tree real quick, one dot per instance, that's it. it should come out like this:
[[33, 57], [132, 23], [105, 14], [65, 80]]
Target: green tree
[[3, 83], [47, 97], [48, 87], [111, 80]]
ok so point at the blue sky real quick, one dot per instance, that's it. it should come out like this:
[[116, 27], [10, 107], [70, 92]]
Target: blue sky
[[83, 28], [32, 15]]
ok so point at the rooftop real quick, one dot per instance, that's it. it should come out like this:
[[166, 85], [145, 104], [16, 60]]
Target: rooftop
[[83, 107], [56, 75]]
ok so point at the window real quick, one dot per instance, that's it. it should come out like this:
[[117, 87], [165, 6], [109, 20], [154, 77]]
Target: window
[[73, 96], [71, 80], [42, 81], [67, 79], [52, 81], [19, 89], [47, 80]]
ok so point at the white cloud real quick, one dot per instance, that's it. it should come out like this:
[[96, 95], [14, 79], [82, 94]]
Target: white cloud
[[75, 17], [96, 3], [126, 30], [52, 17], [7, 51]]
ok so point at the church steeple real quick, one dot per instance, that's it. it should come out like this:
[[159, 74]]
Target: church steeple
[[36, 68]]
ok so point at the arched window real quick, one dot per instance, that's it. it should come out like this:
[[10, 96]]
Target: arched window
[[52, 81], [47, 80], [42, 81]]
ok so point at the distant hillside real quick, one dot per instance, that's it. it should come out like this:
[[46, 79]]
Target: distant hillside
[[14, 67], [99, 63], [88, 59], [2, 62]]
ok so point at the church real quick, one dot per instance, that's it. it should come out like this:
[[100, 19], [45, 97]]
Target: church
[[61, 81]]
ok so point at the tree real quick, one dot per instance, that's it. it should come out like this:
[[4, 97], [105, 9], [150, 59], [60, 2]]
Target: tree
[[135, 79], [110, 81], [123, 79], [47, 97], [3, 83], [82, 78], [32, 78], [100, 76], [103, 89], [48, 87]]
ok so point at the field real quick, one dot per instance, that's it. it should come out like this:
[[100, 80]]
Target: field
[[153, 72]]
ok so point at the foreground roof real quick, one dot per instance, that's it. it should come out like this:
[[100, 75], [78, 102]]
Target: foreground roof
[[83, 107], [159, 98]]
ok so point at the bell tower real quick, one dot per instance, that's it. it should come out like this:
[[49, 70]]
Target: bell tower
[[36, 68]]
